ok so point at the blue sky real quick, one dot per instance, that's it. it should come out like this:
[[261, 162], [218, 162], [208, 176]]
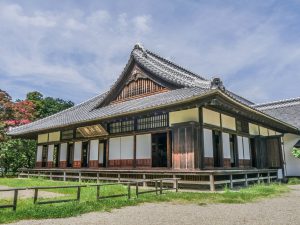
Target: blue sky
[[76, 49]]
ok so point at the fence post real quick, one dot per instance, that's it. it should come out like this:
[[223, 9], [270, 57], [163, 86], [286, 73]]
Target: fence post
[[137, 189], [231, 183], [144, 178], [269, 179], [15, 200], [98, 192], [161, 187], [79, 177], [36, 190], [258, 181], [64, 175], [129, 191], [119, 177], [97, 178], [176, 182], [50, 175], [78, 193], [212, 182], [27, 174], [246, 179], [156, 191]]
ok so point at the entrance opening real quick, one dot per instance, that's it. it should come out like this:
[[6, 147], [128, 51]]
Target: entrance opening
[[102, 153], [217, 148], [159, 150], [56, 156], [44, 155], [84, 154], [70, 155], [233, 151]]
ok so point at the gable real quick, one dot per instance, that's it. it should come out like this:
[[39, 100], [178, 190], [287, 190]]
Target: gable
[[137, 85]]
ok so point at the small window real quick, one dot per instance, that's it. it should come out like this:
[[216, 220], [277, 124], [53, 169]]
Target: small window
[[151, 122], [67, 134], [242, 126], [121, 126]]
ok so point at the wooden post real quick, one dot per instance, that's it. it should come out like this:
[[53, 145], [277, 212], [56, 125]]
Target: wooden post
[[269, 179], [64, 175], [137, 189], [258, 181], [119, 177], [231, 182], [15, 200], [129, 191], [156, 191], [79, 177], [169, 151], [176, 181], [97, 178], [212, 182], [35, 195], [246, 179], [78, 193], [98, 192], [107, 153], [144, 180], [134, 151], [50, 175], [161, 186], [27, 174]]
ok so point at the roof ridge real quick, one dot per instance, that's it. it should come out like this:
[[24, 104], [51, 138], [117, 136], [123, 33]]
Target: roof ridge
[[142, 48], [272, 103]]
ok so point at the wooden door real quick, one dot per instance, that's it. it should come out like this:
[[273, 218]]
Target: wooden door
[[85, 154], [159, 150]]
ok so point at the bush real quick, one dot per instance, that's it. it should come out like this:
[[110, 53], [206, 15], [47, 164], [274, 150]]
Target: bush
[[296, 152]]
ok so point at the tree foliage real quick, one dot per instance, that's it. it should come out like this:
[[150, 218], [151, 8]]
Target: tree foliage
[[17, 153], [296, 152]]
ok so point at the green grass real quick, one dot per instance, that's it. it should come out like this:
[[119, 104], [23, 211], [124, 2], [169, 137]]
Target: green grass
[[294, 180], [27, 210]]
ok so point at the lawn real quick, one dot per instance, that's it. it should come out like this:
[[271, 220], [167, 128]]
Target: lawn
[[88, 203]]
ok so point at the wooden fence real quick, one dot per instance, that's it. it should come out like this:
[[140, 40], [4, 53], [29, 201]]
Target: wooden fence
[[78, 187]]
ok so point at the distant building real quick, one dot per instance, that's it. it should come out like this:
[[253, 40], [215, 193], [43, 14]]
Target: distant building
[[160, 115]]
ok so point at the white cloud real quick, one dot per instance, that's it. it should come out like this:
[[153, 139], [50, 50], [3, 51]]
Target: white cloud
[[142, 23]]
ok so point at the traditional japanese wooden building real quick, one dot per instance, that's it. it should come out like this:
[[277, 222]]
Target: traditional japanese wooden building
[[158, 115]]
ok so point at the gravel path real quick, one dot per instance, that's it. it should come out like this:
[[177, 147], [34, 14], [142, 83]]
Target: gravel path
[[27, 194], [282, 210]]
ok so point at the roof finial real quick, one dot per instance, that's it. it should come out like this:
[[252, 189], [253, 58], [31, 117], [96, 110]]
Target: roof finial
[[139, 46], [216, 82]]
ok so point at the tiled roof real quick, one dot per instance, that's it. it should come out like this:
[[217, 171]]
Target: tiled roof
[[285, 110], [87, 112]]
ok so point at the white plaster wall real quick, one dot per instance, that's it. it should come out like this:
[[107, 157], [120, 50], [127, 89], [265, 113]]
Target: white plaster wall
[[101, 152], [77, 151], [240, 147], [115, 148], [208, 143], [94, 144], [143, 146], [50, 153], [246, 148], [226, 145], [292, 163], [127, 147], [39, 153], [63, 152]]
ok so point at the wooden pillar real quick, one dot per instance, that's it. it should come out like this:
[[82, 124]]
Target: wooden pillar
[[201, 140], [134, 151], [169, 150], [107, 153]]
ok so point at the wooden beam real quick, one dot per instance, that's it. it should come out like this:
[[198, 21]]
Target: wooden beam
[[107, 153], [134, 151]]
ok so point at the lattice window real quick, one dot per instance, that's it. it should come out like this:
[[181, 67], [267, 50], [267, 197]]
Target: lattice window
[[121, 126], [67, 134], [151, 122], [242, 126]]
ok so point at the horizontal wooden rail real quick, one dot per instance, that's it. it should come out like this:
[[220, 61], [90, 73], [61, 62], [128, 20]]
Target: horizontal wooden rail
[[15, 199]]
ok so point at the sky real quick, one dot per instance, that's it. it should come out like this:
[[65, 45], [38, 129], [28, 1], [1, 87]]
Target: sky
[[76, 49]]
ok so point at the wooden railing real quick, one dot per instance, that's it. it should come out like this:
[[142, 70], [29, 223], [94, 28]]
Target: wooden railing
[[193, 178], [15, 199]]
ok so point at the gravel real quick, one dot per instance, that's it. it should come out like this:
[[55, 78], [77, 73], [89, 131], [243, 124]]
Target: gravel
[[281, 210]]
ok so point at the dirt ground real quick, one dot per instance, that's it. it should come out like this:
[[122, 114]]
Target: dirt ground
[[27, 194], [283, 210]]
